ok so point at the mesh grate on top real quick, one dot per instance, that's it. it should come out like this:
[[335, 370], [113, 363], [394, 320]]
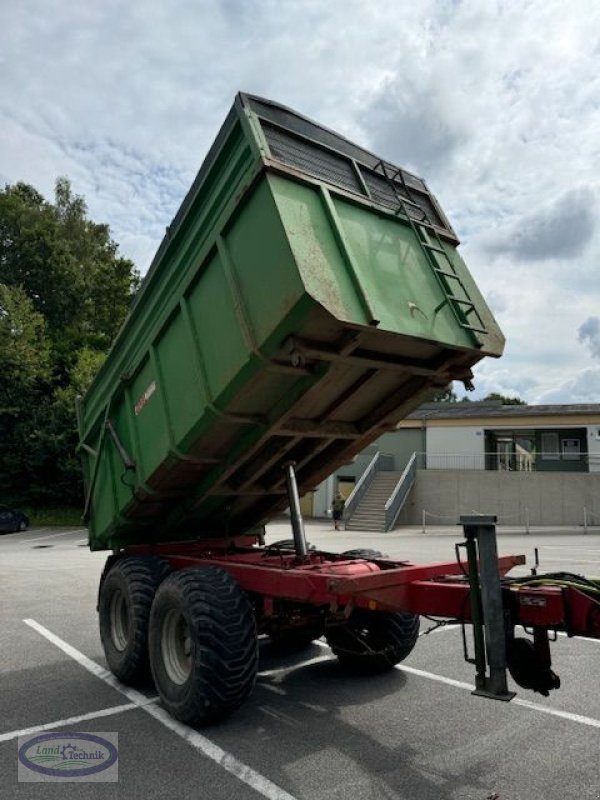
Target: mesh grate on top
[[337, 169], [383, 194], [311, 158]]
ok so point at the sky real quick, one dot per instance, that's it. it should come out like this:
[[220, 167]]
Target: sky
[[496, 104]]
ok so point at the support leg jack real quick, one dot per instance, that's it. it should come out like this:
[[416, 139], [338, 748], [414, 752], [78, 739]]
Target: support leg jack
[[487, 610]]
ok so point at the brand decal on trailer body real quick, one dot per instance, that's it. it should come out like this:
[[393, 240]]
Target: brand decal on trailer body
[[144, 398]]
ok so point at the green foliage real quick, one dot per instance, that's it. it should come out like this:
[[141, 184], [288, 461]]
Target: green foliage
[[24, 351], [63, 516], [506, 401], [64, 292], [446, 395]]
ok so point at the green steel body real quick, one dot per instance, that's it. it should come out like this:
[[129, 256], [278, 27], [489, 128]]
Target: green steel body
[[289, 314]]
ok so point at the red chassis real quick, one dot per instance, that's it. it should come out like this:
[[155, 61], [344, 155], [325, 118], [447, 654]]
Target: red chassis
[[340, 584], [155, 599]]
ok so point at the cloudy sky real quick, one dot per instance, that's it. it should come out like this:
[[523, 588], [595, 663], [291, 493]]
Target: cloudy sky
[[496, 104]]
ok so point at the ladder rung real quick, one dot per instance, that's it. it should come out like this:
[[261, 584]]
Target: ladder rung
[[434, 247], [473, 310], [418, 227], [447, 274], [408, 202], [472, 328]]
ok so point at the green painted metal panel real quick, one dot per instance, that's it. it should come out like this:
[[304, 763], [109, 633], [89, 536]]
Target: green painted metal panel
[[312, 238], [262, 266], [306, 297]]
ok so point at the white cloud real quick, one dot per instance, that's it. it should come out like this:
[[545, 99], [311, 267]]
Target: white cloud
[[560, 230], [589, 332], [496, 104], [583, 388]]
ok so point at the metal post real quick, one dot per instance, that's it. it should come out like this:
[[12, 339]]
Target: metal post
[[424, 522], [527, 521], [476, 610], [295, 512], [585, 525], [480, 533]]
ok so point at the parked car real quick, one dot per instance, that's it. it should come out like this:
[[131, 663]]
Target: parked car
[[12, 520]]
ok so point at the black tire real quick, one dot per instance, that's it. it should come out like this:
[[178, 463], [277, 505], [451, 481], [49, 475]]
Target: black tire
[[22, 526], [124, 603], [203, 645], [363, 552], [374, 641]]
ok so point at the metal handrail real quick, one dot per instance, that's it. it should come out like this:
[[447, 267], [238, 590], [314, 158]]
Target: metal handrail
[[515, 462], [361, 487], [396, 500]]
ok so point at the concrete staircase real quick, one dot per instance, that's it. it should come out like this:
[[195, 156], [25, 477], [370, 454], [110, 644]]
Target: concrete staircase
[[370, 514]]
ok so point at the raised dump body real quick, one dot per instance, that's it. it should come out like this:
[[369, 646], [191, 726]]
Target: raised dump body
[[306, 297]]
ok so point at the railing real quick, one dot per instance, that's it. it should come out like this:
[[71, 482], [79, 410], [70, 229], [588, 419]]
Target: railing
[[393, 506], [510, 462], [362, 485]]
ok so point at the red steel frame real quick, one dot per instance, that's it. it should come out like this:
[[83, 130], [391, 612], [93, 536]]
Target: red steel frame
[[335, 582]]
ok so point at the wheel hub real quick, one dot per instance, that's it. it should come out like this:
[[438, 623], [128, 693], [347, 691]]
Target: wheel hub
[[119, 620], [176, 647]]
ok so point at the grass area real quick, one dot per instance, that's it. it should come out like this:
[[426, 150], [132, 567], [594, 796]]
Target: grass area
[[43, 517]]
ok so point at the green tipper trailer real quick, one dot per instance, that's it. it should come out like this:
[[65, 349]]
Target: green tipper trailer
[[305, 298]]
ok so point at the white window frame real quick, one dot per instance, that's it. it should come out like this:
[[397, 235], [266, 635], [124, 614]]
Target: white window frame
[[567, 453]]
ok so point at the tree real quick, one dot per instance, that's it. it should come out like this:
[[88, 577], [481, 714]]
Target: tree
[[446, 395], [25, 371], [24, 352], [64, 292], [68, 265], [505, 400]]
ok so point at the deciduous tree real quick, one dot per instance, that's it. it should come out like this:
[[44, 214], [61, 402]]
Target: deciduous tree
[[64, 292]]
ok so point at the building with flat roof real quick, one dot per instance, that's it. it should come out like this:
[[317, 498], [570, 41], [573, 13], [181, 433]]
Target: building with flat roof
[[492, 436], [530, 464]]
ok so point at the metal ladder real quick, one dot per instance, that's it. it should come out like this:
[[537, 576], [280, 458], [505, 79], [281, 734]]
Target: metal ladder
[[463, 308]]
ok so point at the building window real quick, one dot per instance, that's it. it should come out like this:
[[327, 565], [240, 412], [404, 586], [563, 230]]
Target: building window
[[571, 449], [550, 449]]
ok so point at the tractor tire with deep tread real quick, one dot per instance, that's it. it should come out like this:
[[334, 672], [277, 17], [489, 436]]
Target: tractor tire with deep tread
[[374, 641], [203, 645], [124, 604]]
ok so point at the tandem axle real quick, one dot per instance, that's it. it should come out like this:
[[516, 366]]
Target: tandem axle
[[190, 614]]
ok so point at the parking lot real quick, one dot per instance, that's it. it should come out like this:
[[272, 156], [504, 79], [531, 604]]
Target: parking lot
[[308, 731]]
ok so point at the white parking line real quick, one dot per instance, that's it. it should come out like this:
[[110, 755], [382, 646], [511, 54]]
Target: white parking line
[[61, 723], [569, 547], [281, 670], [572, 559], [21, 534], [242, 771], [583, 638], [453, 627], [554, 712], [441, 629], [50, 536]]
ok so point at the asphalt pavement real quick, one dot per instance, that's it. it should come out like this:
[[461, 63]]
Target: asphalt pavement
[[308, 731]]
